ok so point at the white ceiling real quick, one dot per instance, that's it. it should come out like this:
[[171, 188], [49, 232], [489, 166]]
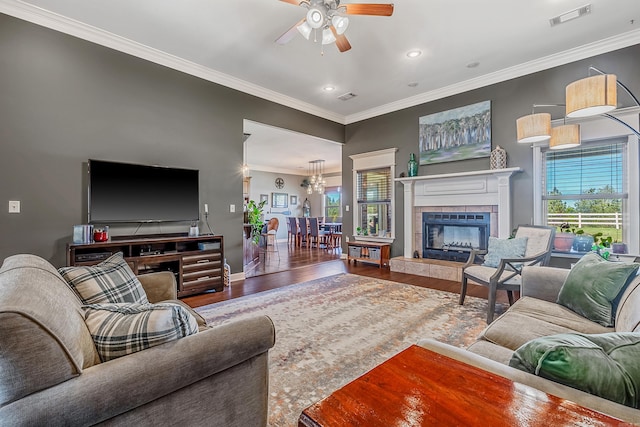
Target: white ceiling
[[272, 149], [232, 43]]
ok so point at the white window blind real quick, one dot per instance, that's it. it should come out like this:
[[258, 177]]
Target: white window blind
[[374, 186], [588, 172]]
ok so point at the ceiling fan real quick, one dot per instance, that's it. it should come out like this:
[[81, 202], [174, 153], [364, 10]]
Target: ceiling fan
[[327, 16]]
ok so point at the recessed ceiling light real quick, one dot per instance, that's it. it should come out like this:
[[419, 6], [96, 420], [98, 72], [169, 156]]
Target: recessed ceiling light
[[473, 64], [414, 53], [328, 88]]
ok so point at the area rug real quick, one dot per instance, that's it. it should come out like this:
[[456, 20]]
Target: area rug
[[330, 331]]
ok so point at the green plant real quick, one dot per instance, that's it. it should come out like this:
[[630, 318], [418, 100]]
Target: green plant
[[565, 227], [255, 218], [358, 230], [601, 245]]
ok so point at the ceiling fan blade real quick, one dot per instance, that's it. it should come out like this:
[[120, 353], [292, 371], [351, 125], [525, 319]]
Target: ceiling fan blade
[[294, 2], [341, 40], [290, 33], [368, 9]]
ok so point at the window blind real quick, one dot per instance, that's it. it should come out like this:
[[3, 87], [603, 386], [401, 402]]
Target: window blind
[[589, 171], [374, 186]]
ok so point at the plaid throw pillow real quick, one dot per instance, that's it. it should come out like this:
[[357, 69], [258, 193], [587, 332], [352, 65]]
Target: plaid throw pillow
[[111, 281], [121, 329]]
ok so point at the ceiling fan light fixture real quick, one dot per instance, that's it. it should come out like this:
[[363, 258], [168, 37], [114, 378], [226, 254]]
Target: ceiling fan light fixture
[[305, 29], [340, 23], [327, 36], [315, 18]]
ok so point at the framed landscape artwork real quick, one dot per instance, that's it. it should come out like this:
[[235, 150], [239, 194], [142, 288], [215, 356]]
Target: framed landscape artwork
[[458, 134]]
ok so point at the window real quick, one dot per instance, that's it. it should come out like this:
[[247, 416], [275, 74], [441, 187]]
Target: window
[[332, 204], [586, 187], [373, 194]]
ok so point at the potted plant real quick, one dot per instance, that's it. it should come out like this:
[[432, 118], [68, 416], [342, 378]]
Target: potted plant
[[255, 217], [601, 245], [564, 239], [582, 241]]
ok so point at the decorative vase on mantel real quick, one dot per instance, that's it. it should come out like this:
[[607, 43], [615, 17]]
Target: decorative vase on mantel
[[412, 166], [498, 159]]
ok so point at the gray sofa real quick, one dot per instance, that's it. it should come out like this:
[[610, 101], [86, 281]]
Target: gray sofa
[[534, 315], [50, 373]]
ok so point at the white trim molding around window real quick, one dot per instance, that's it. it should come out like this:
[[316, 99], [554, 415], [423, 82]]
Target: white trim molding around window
[[586, 182], [374, 195]]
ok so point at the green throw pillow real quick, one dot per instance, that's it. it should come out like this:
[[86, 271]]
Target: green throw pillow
[[604, 365], [504, 248], [593, 285]]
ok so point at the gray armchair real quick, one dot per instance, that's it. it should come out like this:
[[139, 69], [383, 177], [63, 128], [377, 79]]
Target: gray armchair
[[507, 275]]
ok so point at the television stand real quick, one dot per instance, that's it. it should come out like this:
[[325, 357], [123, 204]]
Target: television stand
[[196, 262]]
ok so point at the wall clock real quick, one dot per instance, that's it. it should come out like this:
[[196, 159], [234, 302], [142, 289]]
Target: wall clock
[[279, 182]]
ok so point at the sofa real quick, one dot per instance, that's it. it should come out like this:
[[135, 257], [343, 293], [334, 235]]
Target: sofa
[[536, 314], [50, 373]]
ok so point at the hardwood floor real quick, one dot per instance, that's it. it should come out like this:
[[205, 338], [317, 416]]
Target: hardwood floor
[[305, 264], [289, 257]]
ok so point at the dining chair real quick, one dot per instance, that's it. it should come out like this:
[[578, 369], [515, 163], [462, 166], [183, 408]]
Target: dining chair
[[506, 275], [292, 225], [270, 237], [304, 232], [317, 236]]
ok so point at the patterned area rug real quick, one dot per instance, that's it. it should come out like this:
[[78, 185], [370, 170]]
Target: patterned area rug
[[332, 330]]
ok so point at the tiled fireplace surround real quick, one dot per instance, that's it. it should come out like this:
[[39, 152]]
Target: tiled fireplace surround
[[477, 191]]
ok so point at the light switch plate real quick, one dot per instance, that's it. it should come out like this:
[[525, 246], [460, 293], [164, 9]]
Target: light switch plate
[[232, 208], [14, 206]]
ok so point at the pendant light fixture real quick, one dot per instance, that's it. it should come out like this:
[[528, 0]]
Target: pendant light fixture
[[534, 128], [591, 96], [317, 182], [565, 136]]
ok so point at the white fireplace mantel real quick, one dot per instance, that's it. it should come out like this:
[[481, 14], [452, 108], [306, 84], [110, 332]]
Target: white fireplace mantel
[[476, 188]]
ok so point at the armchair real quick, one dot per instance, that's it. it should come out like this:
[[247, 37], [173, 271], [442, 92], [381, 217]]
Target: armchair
[[507, 275]]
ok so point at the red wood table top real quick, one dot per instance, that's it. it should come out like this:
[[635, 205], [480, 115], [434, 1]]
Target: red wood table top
[[419, 387]]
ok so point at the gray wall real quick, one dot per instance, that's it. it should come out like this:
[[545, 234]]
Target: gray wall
[[509, 100], [65, 100]]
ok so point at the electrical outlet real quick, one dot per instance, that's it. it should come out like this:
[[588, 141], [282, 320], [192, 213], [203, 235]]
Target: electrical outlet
[[232, 208], [14, 206], [206, 208], [346, 238]]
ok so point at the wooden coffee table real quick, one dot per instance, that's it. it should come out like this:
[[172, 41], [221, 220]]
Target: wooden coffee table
[[419, 387]]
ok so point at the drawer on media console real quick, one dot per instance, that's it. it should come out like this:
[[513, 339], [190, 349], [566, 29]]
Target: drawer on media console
[[201, 275], [201, 262]]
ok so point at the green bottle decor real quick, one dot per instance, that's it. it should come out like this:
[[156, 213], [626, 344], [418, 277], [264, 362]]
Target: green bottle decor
[[412, 167]]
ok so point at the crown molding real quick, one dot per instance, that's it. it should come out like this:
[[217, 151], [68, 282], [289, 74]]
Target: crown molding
[[42, 17], [629, 38], [45, 18]]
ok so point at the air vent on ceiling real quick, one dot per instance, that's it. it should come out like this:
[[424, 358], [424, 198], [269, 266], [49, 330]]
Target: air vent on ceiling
[[568, 16], [347, 96]]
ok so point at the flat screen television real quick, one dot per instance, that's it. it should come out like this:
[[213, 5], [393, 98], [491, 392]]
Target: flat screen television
[[133, 193]]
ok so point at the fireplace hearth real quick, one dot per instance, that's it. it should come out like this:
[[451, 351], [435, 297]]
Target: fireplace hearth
[[451, 235]]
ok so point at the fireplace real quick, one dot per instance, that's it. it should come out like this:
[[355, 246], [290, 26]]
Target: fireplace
[[452, 235]]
